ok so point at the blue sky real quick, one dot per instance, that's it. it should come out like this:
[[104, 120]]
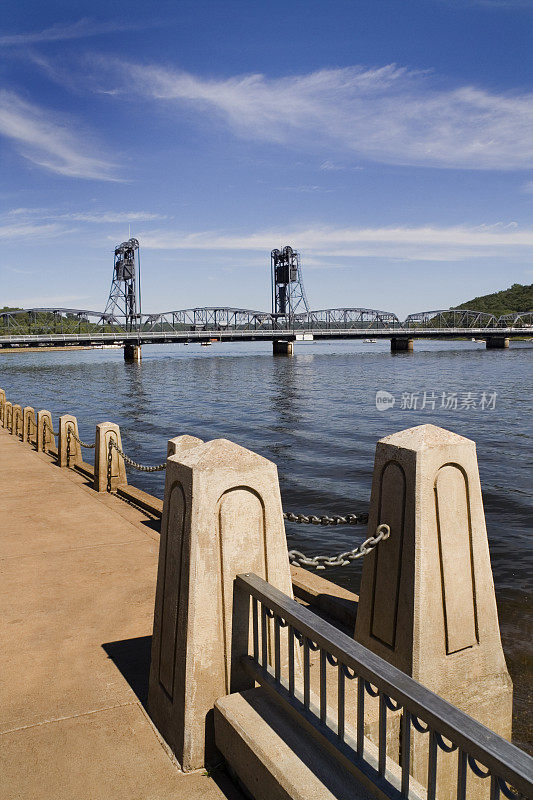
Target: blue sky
[[389, 141]]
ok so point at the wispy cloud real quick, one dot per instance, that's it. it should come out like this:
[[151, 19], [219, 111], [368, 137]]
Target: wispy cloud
[[49, 142], [387, 114], [98, 217], [30, 230], [427, 243], [80, 29]]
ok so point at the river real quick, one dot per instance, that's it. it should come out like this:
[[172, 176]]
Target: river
[[315, 415]]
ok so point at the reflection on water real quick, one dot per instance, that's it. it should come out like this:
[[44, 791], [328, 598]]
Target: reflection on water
[[315, 416]]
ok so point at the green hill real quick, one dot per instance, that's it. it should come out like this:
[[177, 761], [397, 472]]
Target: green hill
[[508, 301]]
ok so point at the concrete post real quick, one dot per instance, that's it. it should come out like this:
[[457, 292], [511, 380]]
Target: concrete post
[[497, 342], [29, 426], [427, 602], [69, 453], [16, 424], [2, 406], [180, 444], [106, 432], [222, 515], [401, 344], [282, 347], [8, 415], [132, 352], [45, 437]]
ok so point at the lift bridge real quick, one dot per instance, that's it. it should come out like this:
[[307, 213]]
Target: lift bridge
[[289, 320]]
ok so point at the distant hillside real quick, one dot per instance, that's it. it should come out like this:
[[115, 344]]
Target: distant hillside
[[508, 301]]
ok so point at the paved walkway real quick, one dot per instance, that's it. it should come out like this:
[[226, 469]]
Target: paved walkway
[[77, 584]]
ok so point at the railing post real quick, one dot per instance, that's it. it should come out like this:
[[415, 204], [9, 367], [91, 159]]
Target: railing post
[[2, 406], [28, 424], [427, 602], [69, 450], [222, 515], [109, 472], [45, 437], [8, 414], [16, 420]]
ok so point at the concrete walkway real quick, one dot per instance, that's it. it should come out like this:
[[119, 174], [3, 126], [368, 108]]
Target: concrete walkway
[[77, 583]]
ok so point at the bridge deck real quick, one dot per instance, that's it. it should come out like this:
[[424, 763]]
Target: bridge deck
[[77, 581]]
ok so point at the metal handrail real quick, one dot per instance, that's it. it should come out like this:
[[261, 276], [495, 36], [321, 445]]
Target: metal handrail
[[425, 711]]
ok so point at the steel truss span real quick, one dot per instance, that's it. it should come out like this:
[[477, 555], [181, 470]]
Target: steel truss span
[[72, 326]]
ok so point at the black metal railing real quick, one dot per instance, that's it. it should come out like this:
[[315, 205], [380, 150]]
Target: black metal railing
[[285, 633]]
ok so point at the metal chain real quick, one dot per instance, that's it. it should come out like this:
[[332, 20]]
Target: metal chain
[[134, 464], [52, 431], [79, 441], [341, 559], [336, 519]]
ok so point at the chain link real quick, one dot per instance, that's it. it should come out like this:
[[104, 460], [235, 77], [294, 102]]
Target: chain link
[[52, 431], [335, 519], [134, 464], [341, 559], [79, 441]]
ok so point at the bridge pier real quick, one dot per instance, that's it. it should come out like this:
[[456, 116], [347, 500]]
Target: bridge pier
[[401, 344], [497, 342], [132, 352], [282, 347]]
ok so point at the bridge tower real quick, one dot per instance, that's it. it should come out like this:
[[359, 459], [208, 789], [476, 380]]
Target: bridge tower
[[288, 293], [124, 301]]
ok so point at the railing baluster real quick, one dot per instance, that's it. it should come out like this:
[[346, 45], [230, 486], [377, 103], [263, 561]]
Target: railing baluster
[[432, 766], [461, 775], [277, 657], [360, 716], [340, 701], [264, 637], [291, 659], [307, 688], [255, 628], [323, 686], [494, 788], [405, 751], [382, 735]]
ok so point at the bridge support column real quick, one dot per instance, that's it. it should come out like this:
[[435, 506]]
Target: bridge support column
[[132, 352], [427, 602], [282, 347], [69, 449], [107, 476], [497, 342], [401, 344], [222, 515]]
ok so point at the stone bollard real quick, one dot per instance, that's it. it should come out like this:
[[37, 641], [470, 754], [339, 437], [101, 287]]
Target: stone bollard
[[180, 444], [107, 476], [222, 515], [69, 449], [2, 407], [16, 420], [8, 415], [45, 438], [427, 602], [29, 425]]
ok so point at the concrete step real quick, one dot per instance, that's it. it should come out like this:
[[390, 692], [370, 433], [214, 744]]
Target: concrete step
[[272, 757]]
